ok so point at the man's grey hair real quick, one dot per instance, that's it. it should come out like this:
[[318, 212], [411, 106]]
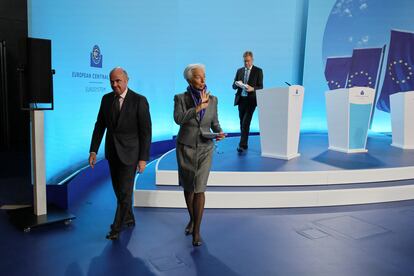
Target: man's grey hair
[[122, 69], [248, 53], [188, 71]]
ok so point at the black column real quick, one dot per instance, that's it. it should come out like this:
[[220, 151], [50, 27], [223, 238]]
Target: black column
[[14, 124]]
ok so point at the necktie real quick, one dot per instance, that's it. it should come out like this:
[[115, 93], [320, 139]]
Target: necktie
[[246, 76], [116, 109], [245, 80]]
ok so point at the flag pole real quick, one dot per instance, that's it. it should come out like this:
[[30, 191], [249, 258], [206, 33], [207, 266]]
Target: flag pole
[[377, 86]]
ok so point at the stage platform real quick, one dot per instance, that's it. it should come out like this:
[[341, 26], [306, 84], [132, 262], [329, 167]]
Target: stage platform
[[319, 177]]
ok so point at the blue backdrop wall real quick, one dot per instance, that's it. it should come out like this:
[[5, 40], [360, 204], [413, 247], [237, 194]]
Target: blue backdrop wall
[[155, 40]]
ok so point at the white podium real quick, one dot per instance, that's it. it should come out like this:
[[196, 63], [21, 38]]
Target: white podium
[[280, 113], [402, 119], [348, 112]]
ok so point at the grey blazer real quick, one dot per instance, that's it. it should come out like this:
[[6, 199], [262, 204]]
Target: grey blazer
[[190, 125]]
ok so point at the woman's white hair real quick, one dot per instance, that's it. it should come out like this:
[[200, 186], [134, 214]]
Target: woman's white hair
[[188, 71]]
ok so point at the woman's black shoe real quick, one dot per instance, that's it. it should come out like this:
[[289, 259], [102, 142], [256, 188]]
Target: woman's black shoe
[[189, 229], [197, 243]]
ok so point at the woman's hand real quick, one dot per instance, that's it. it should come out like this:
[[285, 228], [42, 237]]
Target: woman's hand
[[205, 97], [221, 136]]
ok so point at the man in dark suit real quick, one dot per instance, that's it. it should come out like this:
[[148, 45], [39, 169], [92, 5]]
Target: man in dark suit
[[248, 79], [125, 116]]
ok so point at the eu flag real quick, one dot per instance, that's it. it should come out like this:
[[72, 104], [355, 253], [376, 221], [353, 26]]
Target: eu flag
[[336, 71], [400, 63], [364, 67]]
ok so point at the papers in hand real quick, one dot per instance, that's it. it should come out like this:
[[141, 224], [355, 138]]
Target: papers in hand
[[240, 84], [210, 135]]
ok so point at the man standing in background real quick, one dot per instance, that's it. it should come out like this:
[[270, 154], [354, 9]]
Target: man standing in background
[[248, 79], [125, 116]]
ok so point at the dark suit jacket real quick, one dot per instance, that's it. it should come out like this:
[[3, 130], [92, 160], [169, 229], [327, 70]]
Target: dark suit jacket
[[255, 81], [130, 138], [191, 127]]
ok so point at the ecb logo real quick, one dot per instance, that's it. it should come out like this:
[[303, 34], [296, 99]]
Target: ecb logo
[[96, 57], [362, 93]]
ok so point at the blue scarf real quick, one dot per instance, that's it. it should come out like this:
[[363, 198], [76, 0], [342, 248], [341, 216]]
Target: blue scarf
[[196, 95]]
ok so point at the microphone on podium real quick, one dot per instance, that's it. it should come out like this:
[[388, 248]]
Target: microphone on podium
[[288, 83]]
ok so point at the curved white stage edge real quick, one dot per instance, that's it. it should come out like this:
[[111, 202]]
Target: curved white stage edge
[[318, 177]]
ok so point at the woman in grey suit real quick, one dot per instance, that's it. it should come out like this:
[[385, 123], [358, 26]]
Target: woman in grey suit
[[196, 112]]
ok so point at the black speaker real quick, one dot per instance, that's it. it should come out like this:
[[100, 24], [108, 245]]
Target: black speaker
[[39, 74]]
